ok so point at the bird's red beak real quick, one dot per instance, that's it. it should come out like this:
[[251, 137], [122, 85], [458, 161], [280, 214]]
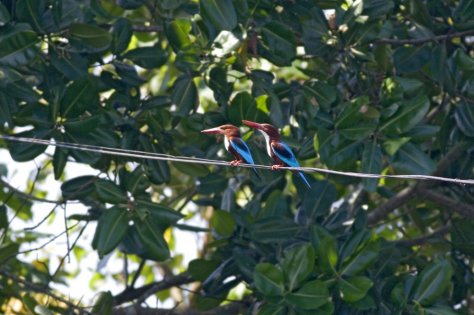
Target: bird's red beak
[[252, 124], [211, 131]]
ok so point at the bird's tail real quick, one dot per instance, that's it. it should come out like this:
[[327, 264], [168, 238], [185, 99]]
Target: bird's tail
[[256, 173], [304, 179]]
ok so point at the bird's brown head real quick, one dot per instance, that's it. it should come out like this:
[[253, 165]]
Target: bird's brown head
[[268, 129], [228, 130]]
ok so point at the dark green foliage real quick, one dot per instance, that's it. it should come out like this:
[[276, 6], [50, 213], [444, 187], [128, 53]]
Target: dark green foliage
[[381, 87]]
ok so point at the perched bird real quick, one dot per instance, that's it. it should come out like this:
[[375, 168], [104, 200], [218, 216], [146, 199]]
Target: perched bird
[[234, 144], [277, 150]]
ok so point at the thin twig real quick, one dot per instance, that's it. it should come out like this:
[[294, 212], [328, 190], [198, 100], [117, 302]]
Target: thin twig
[[28, 286], [27, 196], [423, 239], [418, 41]]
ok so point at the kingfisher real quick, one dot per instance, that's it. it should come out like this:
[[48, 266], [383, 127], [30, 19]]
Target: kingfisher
[[234, 144], [277, 150]]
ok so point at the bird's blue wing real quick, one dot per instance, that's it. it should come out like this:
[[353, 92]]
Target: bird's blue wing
[[242, 149], [284, 153]]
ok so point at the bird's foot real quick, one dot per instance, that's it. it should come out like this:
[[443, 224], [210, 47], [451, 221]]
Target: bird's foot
[[276, 167], [235, 163]]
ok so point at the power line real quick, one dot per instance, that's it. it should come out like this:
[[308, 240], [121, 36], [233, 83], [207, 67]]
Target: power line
[[194, 160]]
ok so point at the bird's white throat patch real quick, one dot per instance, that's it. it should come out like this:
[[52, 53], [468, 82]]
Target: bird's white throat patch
[[226, 143], [267, 142]]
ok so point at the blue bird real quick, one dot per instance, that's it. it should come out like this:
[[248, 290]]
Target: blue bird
[[277, 150], [234, 144]]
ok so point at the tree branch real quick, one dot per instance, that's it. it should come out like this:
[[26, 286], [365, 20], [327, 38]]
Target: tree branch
[[462, 208], [41, 289], [418, 41], [409, 193], [423, 239], [26, 196], [144, 292], [233, 308]]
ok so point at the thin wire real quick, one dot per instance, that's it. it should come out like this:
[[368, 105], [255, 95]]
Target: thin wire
[[194, 160]]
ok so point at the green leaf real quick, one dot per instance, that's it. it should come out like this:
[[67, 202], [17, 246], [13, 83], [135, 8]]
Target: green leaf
[[279, 43], [310, 296], [371, 164], [354, 288], [78, 187], [243, 106], [200, 269], [432, 282], [72, 65], [409, 59], [4, 15], [30, 11], [297, 265], [318, 200], [440, 310], [355, 122], [111, 229], [194, 170], [121, 35], [438, 67], [18, 45], [152, 238], [391, 146], [274, 229], [462, 235], [184, 95], [59, 161], [148, 57], [26, 151], [177, 32], [8, 251], [223, 223], [464, 116], [268, 279], [161, 215], [324, 94], [78, 97], [91, 36], [272, 309], [410, 113], [219, 85], [411, 160], [326, 249], [103, 304], [109, 192], [130, 4], [221, 13]]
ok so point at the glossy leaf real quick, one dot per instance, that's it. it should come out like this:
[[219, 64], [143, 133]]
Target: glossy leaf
[[121, 35], [411, 160], [279, 43], [410, 114], [18, 45], [326, 249], [59, 161], [268, 279], [72, 65], [221, 13], [184, 95], [318, 200], [26, 151], [158, 213], [223, 222], [243, 106], [432, 282], [462, 236], [90, 35], [78, 187], [297, 264], [147, 57], [310, 296], [78, 97], [4, 15], [371, 164], [178, 32], [274, 229], [153, 241], [465, 118], [103, 304], [109, 192], [111, 229], [355, 288]]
